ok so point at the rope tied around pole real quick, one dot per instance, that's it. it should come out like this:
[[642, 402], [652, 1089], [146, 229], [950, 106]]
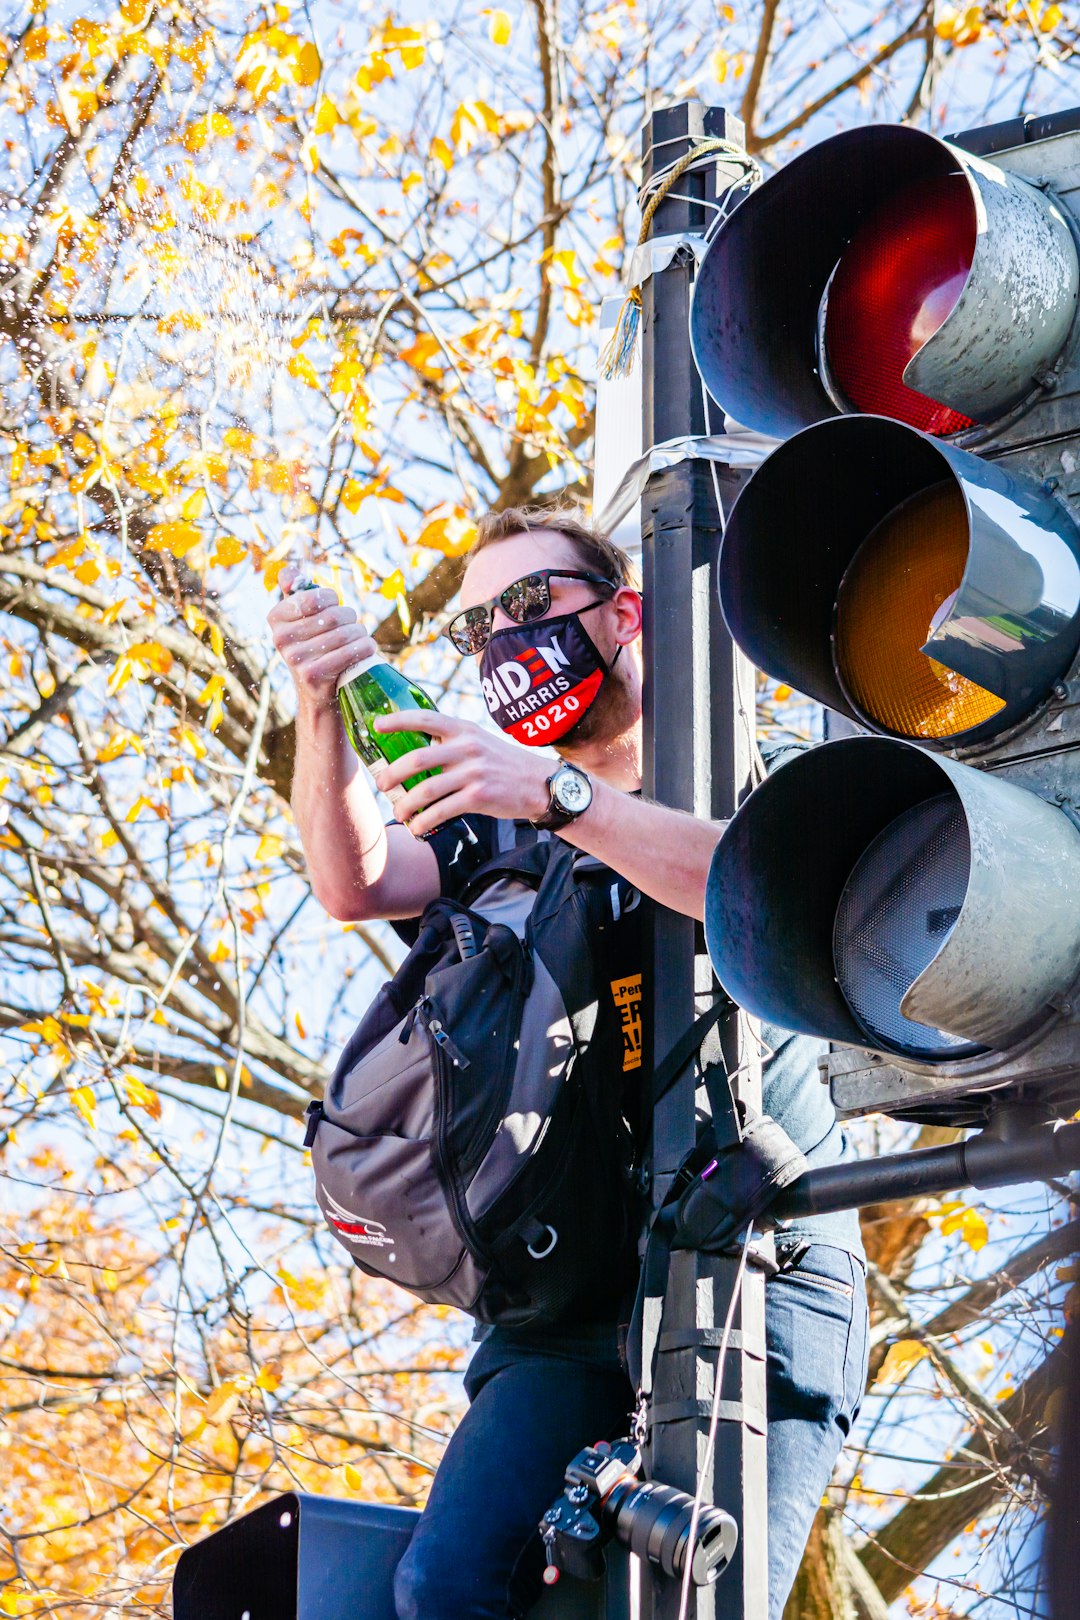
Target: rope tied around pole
[[617, 359]]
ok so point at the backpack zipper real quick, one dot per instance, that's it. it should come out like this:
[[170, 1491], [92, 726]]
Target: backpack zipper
[[451, 1192], [423, 1012], [444, 1049]]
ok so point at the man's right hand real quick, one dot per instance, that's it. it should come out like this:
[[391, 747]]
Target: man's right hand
[[318, 638]]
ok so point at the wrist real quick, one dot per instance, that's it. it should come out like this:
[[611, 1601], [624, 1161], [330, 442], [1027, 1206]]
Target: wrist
[[318, 710], [539, 793]]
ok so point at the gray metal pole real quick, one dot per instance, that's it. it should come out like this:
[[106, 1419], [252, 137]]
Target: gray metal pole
[[699, 708]]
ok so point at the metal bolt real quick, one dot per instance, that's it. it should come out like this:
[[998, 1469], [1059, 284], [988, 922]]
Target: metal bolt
[[1061, 691], [1050, 484], [1046, 378]]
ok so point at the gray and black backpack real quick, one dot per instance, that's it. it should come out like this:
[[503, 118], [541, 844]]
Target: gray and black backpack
[[473, 1144]]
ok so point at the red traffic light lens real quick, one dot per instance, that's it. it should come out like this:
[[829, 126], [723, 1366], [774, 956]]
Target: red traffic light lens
[[893, 287]]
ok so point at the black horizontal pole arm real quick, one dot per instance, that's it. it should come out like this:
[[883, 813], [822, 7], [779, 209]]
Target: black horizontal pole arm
[[985, 1160]]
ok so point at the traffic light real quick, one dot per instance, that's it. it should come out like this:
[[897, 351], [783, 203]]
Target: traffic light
[[909, 557]]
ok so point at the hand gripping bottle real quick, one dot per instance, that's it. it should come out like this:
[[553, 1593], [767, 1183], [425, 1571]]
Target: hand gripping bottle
[[370, 688]]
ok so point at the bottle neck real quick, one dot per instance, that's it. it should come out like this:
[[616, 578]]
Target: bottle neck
[[360, 668]]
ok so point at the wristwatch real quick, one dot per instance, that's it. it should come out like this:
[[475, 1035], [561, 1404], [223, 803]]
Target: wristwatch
[[571, 795]]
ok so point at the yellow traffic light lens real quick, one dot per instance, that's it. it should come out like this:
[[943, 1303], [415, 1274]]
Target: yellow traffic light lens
[[906, 569]]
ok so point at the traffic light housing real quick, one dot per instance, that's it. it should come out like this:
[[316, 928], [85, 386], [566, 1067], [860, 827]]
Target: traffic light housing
[[890, 272], [910, 558]]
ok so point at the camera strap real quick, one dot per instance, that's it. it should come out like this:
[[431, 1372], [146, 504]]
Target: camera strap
[[740, 1162]]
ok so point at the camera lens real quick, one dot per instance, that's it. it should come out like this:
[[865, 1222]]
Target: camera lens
[[653, 1520]]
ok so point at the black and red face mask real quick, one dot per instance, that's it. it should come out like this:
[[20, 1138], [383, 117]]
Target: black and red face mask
[[539, 679]]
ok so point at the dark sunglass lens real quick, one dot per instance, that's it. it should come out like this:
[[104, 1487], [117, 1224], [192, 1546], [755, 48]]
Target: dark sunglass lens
[[526, 599], [470, 631]]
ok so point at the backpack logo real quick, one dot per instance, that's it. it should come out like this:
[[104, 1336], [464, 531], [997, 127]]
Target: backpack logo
[[355, 1227]]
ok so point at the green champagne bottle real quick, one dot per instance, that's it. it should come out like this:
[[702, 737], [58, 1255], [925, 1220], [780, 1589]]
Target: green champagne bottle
[[373, 687]]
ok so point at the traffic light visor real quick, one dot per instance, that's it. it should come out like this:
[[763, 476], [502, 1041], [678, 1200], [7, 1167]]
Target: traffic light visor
[[896, 911]]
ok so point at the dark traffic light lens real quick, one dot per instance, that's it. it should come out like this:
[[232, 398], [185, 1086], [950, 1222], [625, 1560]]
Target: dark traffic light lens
[[895, 283], [901, 579], [897, 909]]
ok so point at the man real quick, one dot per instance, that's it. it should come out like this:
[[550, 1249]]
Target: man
[[542, 586]]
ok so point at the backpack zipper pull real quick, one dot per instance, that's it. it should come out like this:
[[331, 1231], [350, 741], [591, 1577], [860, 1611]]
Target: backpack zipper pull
[[410, 1021], [314, 1112], [439, 1035]]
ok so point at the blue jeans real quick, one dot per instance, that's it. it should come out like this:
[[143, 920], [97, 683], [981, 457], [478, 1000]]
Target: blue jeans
[[476, 1555]]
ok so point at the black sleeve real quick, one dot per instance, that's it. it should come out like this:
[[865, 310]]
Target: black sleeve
[[461, 847]]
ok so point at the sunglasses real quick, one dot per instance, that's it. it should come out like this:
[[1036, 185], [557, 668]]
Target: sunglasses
[[526, 599]]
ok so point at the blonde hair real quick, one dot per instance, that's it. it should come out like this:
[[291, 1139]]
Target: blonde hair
[[597, 553]]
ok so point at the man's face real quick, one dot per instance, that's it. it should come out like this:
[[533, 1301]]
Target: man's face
[[499, 565]]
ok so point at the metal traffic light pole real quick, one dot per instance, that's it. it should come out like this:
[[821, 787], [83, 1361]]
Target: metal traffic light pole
[[697, 758]]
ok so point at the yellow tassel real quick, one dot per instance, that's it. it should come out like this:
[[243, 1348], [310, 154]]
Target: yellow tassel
[[617, 359]]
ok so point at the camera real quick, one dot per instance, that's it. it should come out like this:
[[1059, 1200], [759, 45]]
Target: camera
[[605, 1499]]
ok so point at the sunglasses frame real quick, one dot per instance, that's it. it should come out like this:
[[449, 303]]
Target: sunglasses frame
[[547, 575]]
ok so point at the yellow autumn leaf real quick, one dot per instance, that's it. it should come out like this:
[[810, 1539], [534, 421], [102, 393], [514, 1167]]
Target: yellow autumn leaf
[[193, 506], [269, 847], [153, 655], [238, 439], [300, 366], [393, 585], [222, 1403], [300, 1030], [1050, 19], [273, 571], [969, 1222], [228, 551], [140, 1095], [353, 1478], [420, 354], [500, 27], [85, 1103], [451, 532], [352, 494], [327, 117], [120, 741], [176, 538], [442, 153], [901, 1358], [269, 1377], [308, 64]]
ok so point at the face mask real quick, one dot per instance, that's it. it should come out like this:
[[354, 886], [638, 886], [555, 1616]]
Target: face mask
[[538, 679]]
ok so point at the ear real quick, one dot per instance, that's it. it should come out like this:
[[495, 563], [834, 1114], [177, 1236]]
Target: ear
[[627, 605]]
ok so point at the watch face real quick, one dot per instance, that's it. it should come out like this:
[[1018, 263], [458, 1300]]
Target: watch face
[[572, 791]]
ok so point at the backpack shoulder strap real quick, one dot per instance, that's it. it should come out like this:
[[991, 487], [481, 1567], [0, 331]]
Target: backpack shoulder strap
[[671, 1067], [528, 863]]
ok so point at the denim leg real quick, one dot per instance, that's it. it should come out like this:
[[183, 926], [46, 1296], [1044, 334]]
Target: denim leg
[[476, 1554], [816, 1336]]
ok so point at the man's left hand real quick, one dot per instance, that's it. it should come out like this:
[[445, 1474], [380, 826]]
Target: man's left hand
[[480, 774]]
